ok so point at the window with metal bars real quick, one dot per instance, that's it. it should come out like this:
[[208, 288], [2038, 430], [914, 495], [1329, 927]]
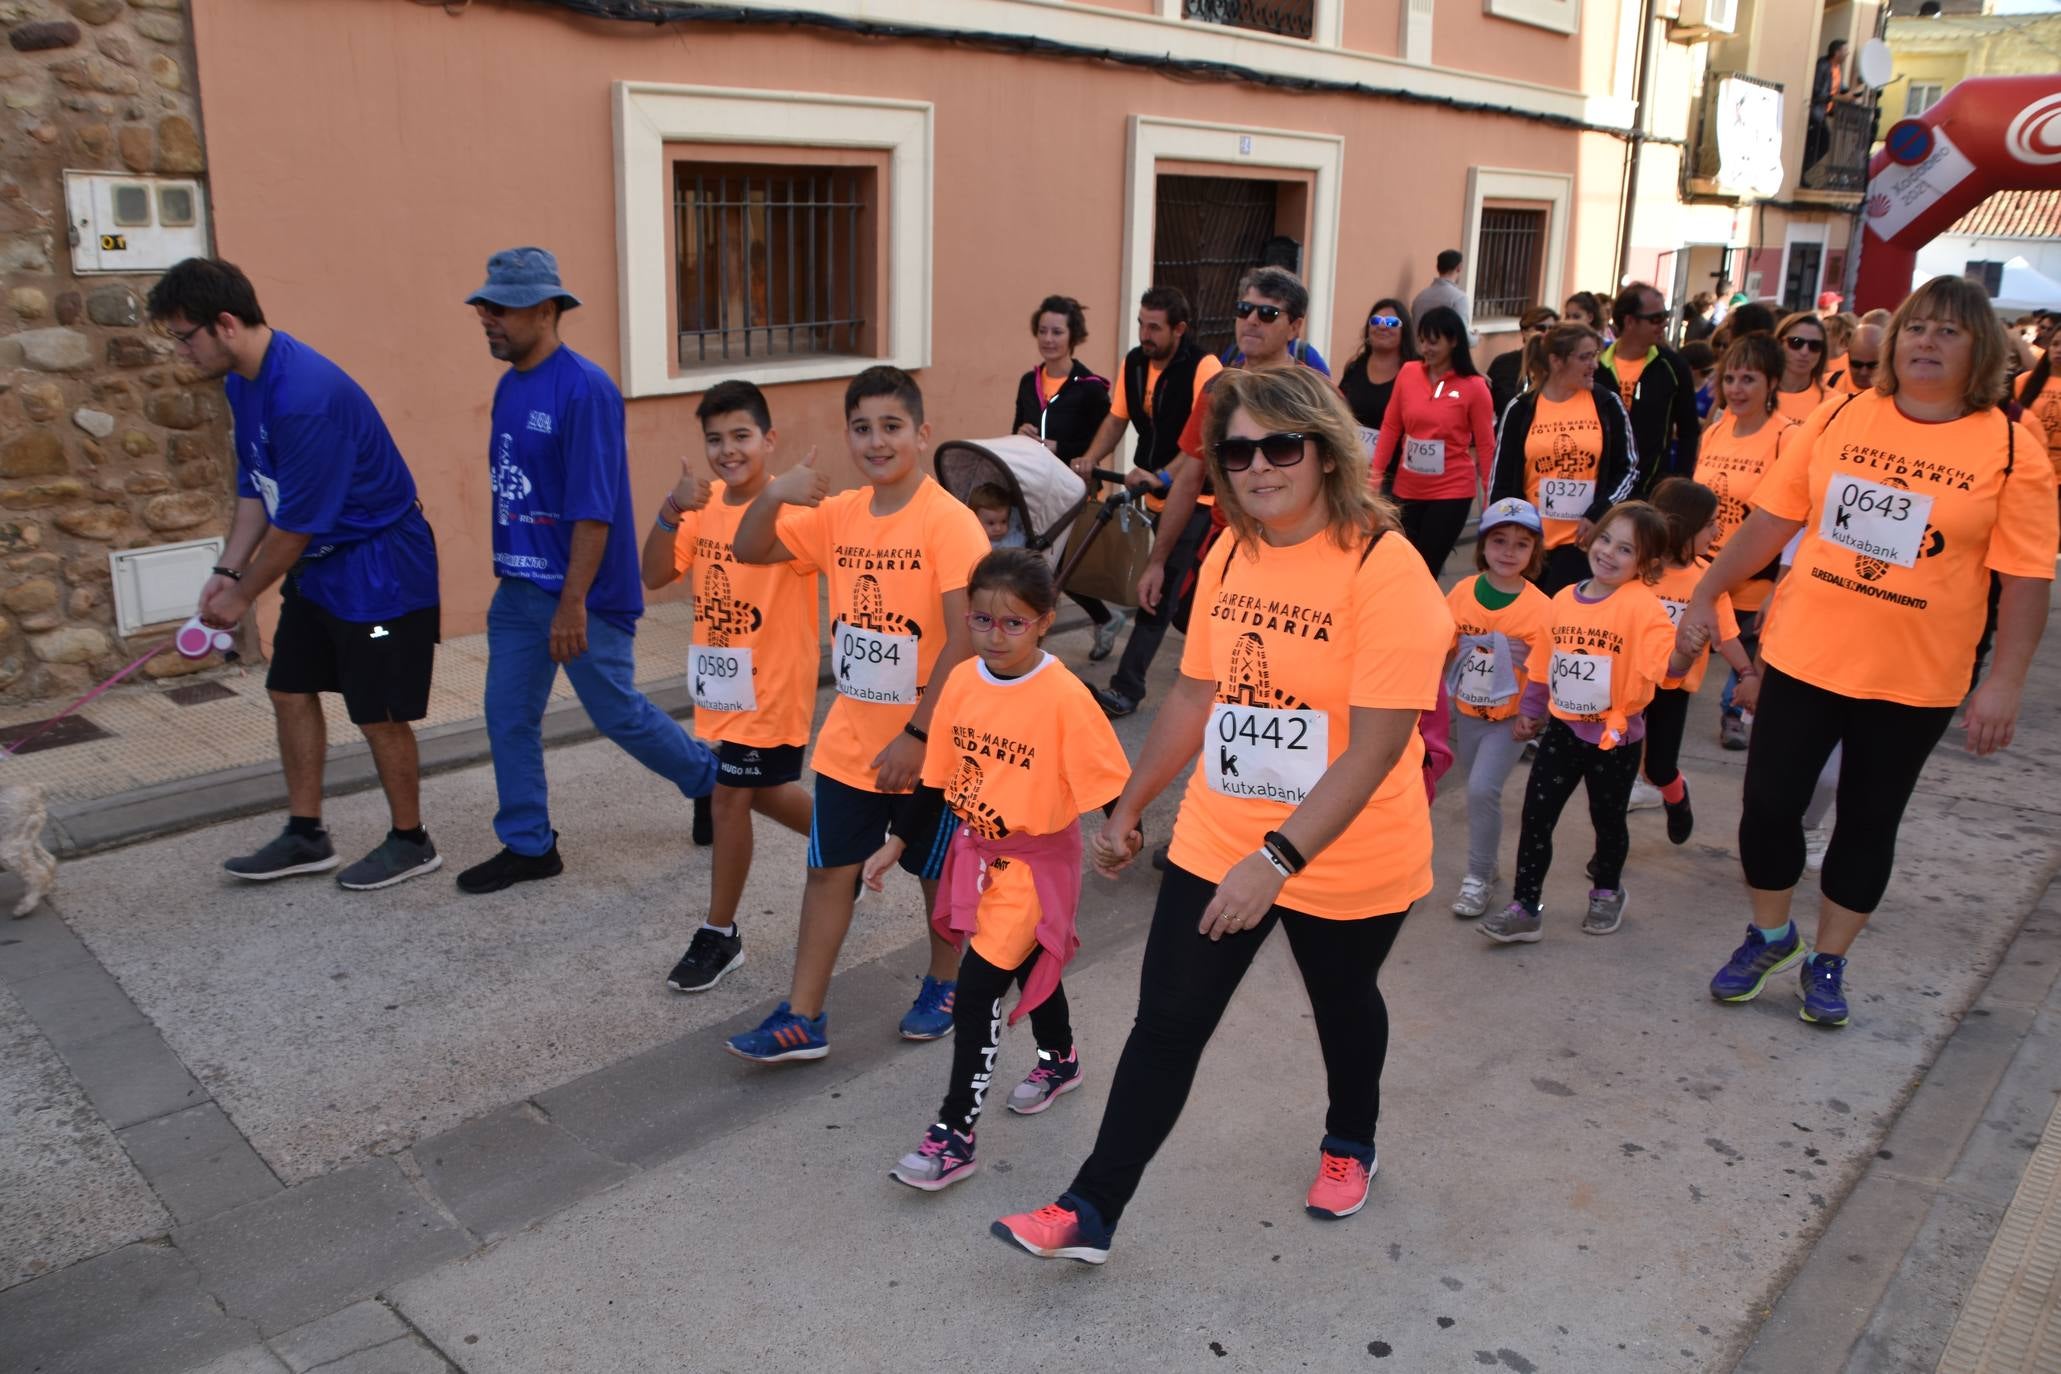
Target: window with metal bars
[[774, 261], [1509, 257], [1290, 18], [1208, 232]]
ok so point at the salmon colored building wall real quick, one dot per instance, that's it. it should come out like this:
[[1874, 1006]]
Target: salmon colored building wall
[[367, 157]]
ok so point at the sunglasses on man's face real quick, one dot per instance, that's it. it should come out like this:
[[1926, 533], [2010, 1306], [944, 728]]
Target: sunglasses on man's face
[[1801, 344], [1282, 451], [1653, 317], [1862, 364], [1267, 313], [1385, 321]]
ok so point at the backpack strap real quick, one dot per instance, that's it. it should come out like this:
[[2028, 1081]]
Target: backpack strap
[[1368, 552], [2010, 447]]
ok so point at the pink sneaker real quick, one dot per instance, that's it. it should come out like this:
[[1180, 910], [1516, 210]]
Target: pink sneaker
[[942, 1158], [1052, 1077], [1057, 1232], [1342, 1184]]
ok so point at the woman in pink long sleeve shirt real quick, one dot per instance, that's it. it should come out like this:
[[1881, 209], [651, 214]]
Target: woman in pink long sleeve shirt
[[1439, 407]]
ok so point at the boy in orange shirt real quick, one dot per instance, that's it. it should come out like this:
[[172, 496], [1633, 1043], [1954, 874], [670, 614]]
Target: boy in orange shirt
[[753, 664], [1607, 647], [897, 553]]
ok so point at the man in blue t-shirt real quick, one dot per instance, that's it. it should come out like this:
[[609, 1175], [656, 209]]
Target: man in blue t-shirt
[[565, 551], [326, 503]]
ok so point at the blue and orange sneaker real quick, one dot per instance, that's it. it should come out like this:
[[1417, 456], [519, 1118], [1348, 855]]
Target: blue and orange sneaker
[[1067, 1229], [942, 1158], [783, 1036], [1824, 990], [930, 1016], [1753, 963]]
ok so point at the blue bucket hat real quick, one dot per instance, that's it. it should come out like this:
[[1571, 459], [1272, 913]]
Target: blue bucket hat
[[522, 277], [1510, 511]]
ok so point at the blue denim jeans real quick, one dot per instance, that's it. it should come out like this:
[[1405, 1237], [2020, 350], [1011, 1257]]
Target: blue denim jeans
[[519, 678], [1749, 639]]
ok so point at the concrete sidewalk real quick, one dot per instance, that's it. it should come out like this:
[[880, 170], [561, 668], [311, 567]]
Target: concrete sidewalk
[[293, 1128]]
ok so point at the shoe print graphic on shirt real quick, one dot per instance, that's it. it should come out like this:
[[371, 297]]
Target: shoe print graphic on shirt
[[724, 616], [1250, 682], [962, 794], [869, 610]]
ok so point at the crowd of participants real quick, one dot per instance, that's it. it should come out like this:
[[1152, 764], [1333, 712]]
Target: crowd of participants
[[1849, 513]]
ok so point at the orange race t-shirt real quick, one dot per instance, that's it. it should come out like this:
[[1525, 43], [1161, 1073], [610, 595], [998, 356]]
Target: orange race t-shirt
[[1674, 589], [1563, 456], [1023, 755], [1903, 522], [1628, 371], [1477, 683], [757, 644], [1602, 660], [1732, 467], [1798, 405], [1119, 405], [888, 578], [1294, 638]]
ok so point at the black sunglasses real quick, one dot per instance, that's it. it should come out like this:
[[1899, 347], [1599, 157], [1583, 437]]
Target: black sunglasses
[[1267, 313], [1800, 343], [1652, 317], [1862, 364], [1282, 450]]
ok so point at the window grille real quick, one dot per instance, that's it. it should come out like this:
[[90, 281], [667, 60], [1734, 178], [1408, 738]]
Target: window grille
[[772, 261], [1508, 256], [1290, 18]]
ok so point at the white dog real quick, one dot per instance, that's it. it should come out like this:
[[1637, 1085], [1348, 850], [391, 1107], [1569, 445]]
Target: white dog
[[21, 845]]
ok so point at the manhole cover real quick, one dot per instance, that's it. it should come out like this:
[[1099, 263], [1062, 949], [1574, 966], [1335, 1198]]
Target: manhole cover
[[70, 730], [194, 693]]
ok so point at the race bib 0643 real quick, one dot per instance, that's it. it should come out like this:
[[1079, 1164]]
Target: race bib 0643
[[873, 666], [1258, 752], [721, 679], [1874, 520]]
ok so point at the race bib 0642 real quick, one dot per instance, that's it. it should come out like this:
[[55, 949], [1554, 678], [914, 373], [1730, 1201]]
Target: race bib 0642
[[873, 666], [721, 679], [1258, 752], [1581, 683]]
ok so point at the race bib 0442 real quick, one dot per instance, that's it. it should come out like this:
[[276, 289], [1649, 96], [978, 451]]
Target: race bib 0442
[[721, 679], [873, 666], [1258, 752], [1874, 520]]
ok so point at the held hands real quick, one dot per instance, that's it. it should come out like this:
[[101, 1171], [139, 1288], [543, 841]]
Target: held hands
[[899, 765], [1697, 629], [692, 491], [1243, 897], [801, 485], [1150, 583], [874, 870], [1116, 844], [1523, 729], [1746, 692], [569, 631], [1991, 716]]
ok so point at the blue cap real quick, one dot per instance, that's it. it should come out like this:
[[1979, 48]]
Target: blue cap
[[522, 277], [1510, 511]]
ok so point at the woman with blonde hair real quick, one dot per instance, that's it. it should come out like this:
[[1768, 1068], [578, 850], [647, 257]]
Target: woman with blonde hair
[[1907, 498], [1316, 639]]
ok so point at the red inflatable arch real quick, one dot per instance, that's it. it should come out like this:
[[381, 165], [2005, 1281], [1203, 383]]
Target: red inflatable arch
[[1990, 133]]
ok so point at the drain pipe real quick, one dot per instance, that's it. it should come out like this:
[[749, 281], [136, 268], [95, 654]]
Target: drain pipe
[[1641, 103]]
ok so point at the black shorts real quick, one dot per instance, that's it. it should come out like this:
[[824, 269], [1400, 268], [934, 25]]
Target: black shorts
[[849, 823], [381, 669], [757, 765]]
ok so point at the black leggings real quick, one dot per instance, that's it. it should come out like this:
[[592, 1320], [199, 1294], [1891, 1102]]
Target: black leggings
[[977, 1031], [1433, 527], [1184, 985], [1794, 730], [1565, 566], [1566, 760], [1097, 611], [1667, 716]]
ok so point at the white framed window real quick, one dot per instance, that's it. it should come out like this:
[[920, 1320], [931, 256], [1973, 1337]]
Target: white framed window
[[1496, 197], [653, 122], [1561, 16], [1921, 96]]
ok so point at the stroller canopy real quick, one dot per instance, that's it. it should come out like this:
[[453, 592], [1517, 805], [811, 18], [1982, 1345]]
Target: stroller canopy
[[1044, 493]]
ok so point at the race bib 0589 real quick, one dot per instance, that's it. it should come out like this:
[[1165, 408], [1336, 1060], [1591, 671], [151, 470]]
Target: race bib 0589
[[721, 679]]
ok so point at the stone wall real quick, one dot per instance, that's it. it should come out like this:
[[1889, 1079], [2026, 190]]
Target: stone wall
[[105, 441]]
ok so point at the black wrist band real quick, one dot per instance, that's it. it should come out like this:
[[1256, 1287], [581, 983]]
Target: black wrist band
[[229, 573], [1288, 852], [920, 736]]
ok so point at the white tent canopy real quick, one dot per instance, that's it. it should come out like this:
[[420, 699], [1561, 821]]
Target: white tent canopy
[[2025, 288]]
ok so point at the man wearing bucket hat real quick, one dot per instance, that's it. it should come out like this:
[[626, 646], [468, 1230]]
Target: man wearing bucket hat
[[565, 554]]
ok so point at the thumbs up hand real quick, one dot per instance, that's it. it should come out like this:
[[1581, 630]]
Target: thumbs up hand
[[692, 491], [802, 484]]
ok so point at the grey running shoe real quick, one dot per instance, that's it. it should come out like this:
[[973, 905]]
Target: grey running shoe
[[396, 860], [285, 855], [1512, 925], [1052, 1077], [1605, 913], [1106, 635], [1732, 733], [1474, 896]]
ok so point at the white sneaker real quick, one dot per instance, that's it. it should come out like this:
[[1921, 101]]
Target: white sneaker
[[1645, 796], [1815, 838], [1474, 896]]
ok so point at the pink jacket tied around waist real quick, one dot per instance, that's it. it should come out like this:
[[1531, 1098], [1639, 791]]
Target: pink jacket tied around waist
[[1055, 865]]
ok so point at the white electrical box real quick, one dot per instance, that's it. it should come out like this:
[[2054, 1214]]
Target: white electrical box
[[158, 585], [1708, 17], [134, 223]]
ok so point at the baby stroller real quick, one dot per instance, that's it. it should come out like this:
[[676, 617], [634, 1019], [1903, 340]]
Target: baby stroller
[[1047, 500]]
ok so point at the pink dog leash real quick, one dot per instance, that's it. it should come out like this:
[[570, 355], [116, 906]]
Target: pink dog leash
[[193, 640]]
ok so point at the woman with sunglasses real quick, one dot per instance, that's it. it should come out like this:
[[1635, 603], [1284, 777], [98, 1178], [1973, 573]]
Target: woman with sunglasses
[[1439, 407], [1907, 499], [1802, 389], [1317, 639], [1368, 380], [1506, 375]]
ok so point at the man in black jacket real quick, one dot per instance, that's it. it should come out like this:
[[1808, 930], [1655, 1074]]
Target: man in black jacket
[[1657, 387]]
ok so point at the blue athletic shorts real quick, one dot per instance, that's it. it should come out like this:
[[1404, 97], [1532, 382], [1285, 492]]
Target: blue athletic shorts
[[849, 823]]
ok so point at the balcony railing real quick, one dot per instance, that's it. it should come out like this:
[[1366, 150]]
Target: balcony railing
[[1290, 18], [1835, 156], [1737, 150]]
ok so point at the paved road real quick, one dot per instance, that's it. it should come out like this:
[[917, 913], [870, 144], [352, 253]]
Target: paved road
[[409, 1130]]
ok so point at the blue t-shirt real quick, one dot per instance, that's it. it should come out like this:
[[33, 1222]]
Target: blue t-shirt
[[558, 455], [310, 445], [1298, 349]]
